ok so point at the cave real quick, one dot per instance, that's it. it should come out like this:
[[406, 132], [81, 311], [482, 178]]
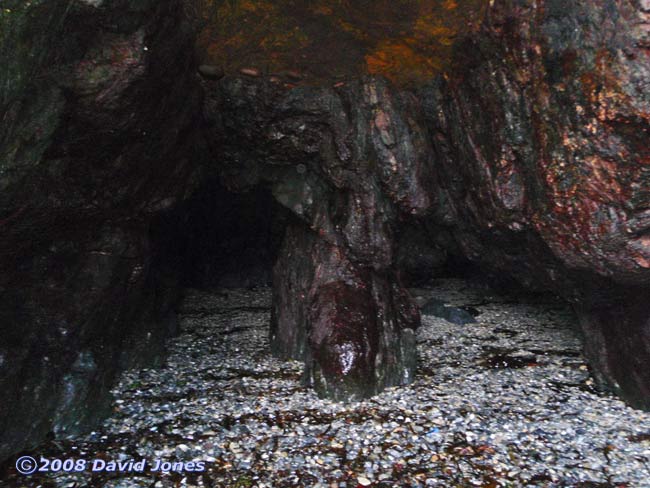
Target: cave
[[339, 153], [218, 239]]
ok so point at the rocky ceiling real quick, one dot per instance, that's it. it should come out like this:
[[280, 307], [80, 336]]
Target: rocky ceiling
[[334, 40]]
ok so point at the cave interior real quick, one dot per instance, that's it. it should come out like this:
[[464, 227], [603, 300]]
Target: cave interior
[[334, 150]]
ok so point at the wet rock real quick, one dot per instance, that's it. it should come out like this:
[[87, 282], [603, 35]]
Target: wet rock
[[211, 72], [451, 314], [294, 75], [616, 341], [338, 302], [84, 290], [541, 163], [252, 72]]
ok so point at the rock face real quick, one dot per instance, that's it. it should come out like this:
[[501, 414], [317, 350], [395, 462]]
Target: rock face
[[531, 151], [542, 165], [349, 164], [96, 103]]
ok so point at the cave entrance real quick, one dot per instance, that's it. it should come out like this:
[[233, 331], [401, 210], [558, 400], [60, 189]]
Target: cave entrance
[[221, 247], [224, 245], [297, 92], [219, 239]]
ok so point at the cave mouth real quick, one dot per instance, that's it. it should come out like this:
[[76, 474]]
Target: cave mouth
[[223, 246], [219, 239], [222, 239]]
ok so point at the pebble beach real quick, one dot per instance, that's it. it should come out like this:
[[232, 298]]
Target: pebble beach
[[505, 401]]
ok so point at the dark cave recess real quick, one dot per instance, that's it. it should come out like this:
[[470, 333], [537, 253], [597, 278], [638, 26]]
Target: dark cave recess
[[524, 153], [220, 239]]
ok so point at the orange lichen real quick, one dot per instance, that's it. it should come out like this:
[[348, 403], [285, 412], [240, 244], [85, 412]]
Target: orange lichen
[[395, 59], [323, 10], [406, 41], [427, 50]]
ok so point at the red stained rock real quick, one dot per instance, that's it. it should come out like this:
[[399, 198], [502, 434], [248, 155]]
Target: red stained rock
[[541, 134]]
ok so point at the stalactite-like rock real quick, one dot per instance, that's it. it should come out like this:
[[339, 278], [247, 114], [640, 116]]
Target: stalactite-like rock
[[349, 164]]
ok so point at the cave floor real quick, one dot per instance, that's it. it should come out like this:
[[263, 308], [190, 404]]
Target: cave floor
[[506, 401]]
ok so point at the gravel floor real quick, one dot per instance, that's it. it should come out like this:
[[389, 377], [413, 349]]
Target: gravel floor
[[506, 401]]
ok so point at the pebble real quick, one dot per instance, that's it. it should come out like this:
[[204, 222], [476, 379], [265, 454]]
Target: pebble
[[253, 72], [294, 75], [222, 398], [364, 481], [211, 72]]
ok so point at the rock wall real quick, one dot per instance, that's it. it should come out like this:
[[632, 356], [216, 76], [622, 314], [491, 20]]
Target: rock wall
[[98, 100], [529, 153], [540, 133]]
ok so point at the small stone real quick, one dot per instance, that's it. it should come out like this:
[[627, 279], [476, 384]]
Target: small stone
[[253, 72], [294, 75], [93, 3], [363, 481], [211, 72]]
